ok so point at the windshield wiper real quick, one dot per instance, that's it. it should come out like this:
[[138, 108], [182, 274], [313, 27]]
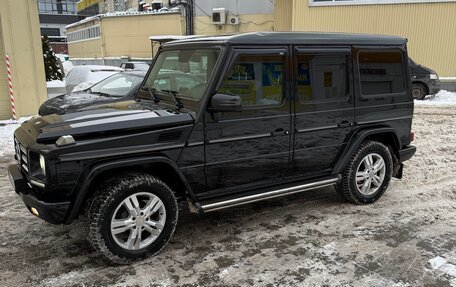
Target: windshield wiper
[[152, 93], [174, 94]]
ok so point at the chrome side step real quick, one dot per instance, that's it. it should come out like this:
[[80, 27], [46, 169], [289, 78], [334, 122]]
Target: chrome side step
[[268, 195]]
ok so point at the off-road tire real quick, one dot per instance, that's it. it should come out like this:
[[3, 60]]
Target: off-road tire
[[108, 196], [418, 91], [347, 188]]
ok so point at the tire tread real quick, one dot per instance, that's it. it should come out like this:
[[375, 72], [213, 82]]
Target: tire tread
[[105, 195], [343, 187]]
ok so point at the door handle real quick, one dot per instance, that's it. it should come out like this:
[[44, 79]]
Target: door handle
[[279, 132], [344, 124]]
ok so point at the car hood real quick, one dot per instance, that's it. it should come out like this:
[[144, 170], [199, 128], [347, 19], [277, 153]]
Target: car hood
[[106, 119], [420, 70], [71, 102]]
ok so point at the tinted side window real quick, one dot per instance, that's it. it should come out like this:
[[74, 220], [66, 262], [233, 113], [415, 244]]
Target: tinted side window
[[381, 73], [258, 80], [321, 78]]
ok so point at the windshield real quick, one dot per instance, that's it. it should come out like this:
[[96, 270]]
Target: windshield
[[184, 73], [118, 85]]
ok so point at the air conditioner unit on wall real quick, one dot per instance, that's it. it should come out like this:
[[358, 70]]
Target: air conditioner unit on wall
[[233, 20], [219, 16]]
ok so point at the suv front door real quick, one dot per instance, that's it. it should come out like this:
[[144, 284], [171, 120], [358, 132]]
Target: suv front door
[[252, 147]]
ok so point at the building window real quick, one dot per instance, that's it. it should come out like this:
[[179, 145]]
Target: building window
[[57, 6], [50, 31], [366, 2], [84, 34]]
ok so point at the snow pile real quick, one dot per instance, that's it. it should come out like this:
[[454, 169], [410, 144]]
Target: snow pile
[[442, 98], [131, 12], [55, 84], [62, 57], [83, 86], [55, 88], [138, 13], [67, 66], [7, 129]]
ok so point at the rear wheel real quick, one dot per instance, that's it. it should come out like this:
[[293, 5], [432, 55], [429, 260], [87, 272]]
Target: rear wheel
[[367, 174], [132, 217], [418, 91]]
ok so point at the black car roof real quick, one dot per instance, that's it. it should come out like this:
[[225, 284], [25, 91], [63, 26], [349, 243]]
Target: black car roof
[[314, 38]]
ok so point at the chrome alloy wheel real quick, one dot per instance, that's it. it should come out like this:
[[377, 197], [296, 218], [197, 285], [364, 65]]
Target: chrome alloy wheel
[[370, 174], [138, 221]]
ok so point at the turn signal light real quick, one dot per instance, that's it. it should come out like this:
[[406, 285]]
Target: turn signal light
[[412, 135], [34, 211]]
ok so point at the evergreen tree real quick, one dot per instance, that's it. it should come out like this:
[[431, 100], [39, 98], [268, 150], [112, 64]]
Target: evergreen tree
[[51, 63]]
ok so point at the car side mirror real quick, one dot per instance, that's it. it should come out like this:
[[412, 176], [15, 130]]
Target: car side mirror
[[225, 103]]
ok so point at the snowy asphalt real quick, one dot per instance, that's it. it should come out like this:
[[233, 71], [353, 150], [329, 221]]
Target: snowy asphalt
[[407, 238]]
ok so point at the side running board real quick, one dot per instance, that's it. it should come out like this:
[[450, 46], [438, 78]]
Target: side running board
[[267, 195]]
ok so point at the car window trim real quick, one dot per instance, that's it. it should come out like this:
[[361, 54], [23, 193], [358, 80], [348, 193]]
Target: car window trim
[[330, 51], [259, 51], [381, 49], [323, 50]]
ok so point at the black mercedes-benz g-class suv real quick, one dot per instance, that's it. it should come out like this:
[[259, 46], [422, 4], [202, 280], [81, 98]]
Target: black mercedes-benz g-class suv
[[274, 114]]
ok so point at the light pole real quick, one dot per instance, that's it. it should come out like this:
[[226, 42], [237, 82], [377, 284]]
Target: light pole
[[189, 13]]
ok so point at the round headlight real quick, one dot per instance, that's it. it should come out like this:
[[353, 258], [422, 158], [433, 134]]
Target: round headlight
[[43, 165]]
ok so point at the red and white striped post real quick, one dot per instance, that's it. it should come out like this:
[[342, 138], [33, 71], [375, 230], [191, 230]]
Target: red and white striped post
[[10, 84]]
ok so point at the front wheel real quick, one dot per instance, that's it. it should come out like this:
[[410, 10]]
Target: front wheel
[[367, 174], [132, 217], [418, 91]]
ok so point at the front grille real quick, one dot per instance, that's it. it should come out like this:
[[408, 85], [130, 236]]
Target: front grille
[[21, 156]]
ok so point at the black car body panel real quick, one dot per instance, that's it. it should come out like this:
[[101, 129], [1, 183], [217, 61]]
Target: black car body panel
[[422, 75], [138, 66], [357, 137], [75, 101], [320, 39], [52, 212], [103, 120], [327, 93]]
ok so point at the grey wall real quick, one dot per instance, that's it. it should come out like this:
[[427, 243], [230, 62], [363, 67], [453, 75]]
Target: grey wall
[[235, 7]]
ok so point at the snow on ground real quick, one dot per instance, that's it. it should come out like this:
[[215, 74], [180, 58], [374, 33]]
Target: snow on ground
[[442, 98], [407, 238], [7, 129]]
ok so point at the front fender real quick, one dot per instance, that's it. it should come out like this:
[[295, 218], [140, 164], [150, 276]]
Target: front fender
[[91, 172]]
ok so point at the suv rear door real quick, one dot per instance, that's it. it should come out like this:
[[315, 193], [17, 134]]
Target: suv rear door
[[382, 89], [252, 147], [323, 108]]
